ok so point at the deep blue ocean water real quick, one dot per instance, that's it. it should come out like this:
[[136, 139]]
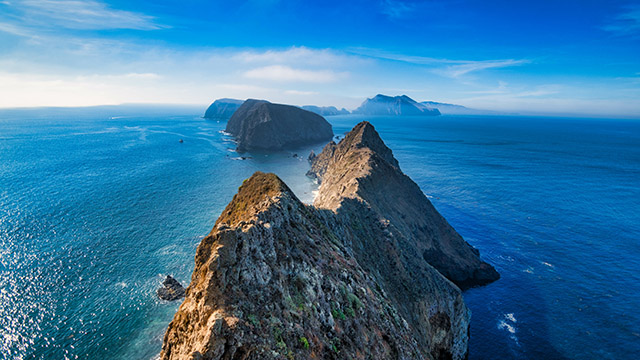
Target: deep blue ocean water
[[98, 205]]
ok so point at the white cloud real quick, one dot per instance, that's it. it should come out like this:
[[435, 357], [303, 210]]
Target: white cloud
[[73, 14], [299, 92], [281, 73], [452, 68], [456, 71]]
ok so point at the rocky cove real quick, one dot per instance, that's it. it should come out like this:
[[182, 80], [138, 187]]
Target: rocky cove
[[369, 271]]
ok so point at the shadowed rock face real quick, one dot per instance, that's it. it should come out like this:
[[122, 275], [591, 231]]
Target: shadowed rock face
[[396, 106], [222, 109], [277, 279], [362, 167], [261, 125]]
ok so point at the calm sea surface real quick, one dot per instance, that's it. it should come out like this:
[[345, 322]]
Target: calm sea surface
[[98, 205]]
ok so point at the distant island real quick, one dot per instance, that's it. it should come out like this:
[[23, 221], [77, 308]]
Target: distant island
[[367, 272], [396, 106], [261, 125], [222, 109], [326, 110]]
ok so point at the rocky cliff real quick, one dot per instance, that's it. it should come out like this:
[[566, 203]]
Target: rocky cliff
[[362, 168], [222, 109], [259, 124], [395, 106]]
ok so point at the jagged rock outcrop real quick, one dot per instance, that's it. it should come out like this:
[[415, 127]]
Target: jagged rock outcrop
[[277, 279], [396, 106], [171, 289], [351, 277], [362, 168], [325, 110], [261, 125], [222, 109]]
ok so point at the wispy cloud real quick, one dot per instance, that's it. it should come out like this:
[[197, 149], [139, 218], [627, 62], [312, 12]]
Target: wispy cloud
[[452, 68], [25, 17], [288, 74], [396, 8], [457, 71], [626, 23]]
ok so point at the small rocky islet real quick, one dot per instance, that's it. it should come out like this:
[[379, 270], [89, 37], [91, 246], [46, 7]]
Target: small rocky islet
[[369, 271], [261, 125]]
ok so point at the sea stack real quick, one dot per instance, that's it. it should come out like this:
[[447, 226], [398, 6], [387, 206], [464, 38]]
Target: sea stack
[[261, 125], [222, 109], [362, 168], [395, 106], [278, 279]]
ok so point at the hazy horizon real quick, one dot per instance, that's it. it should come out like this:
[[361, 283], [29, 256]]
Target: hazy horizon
[[554, 58]]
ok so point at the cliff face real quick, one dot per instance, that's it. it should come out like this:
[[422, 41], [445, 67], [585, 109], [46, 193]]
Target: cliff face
[[396, 106], [361, 168], [259, 124], [222, 109]]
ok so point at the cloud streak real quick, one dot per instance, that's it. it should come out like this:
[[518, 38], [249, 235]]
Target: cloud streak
[[457, 71], [626, 23], [23, 17]]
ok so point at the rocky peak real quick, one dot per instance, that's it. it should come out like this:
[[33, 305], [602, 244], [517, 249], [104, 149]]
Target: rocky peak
[[276, 279], [362, 167]]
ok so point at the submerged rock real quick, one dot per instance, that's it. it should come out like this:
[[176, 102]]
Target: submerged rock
[[261, 125], [171, 289]]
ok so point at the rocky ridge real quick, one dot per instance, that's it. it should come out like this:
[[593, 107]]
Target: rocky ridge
[[363, 168], [261, 125], [278, 279]]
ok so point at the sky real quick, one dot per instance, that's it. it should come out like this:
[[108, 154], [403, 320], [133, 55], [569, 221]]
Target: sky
[[547, 57]]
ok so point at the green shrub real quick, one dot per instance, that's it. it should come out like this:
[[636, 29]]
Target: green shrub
[[304, 342]]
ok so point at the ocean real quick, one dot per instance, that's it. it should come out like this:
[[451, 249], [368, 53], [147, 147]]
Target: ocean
[[98, 205]]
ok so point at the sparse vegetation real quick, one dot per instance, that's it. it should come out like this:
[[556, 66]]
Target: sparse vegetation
[[253, 320], [304, 342]]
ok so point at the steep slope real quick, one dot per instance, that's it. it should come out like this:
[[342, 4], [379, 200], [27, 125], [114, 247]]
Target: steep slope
[[277, 279], [259, 124], [396, 106], [222, 109], [362, 168]]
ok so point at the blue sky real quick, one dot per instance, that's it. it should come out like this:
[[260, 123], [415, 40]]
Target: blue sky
[[556, 57]]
